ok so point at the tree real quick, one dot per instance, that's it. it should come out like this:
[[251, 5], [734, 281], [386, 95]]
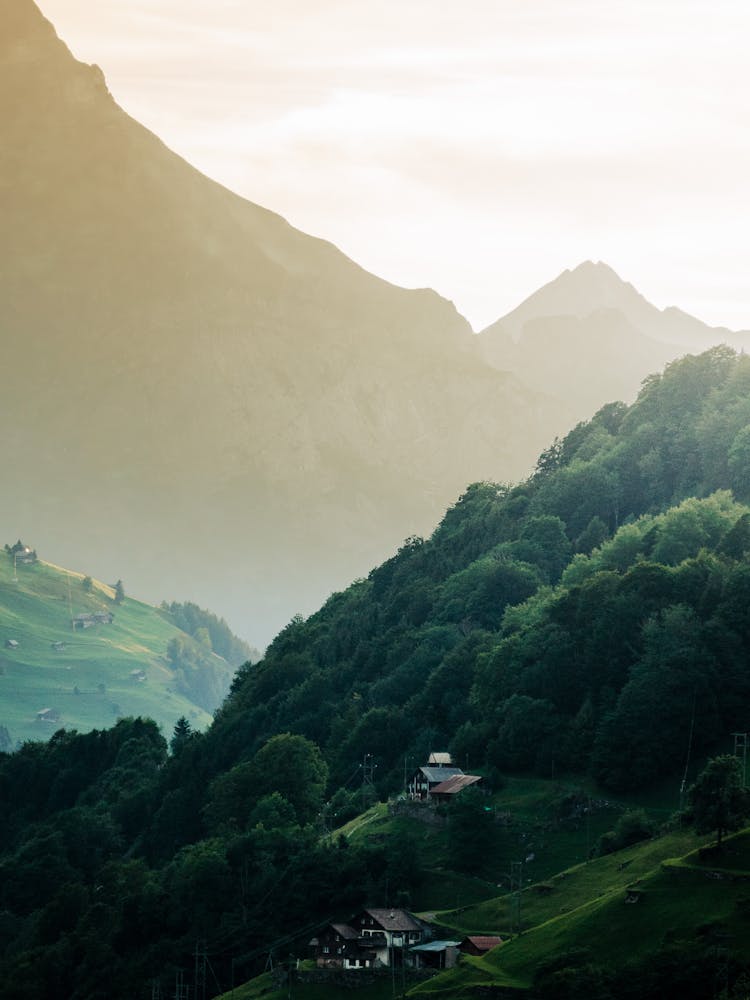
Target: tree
[[717, 799], [294, 767], [87, 584], [119, 592], [181, 735]]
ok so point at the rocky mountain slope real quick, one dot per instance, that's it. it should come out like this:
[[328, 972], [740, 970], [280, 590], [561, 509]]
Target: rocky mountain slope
[[185, 368]]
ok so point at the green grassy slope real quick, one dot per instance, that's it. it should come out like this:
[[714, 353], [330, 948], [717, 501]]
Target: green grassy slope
[[587, 906], [533, 819], [88, 682]]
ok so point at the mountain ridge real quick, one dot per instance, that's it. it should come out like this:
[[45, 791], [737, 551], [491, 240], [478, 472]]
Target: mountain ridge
[[204, 371]]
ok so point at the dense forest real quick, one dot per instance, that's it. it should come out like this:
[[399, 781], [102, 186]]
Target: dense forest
[[593, 619]]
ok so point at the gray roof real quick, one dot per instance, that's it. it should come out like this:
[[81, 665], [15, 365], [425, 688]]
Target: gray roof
[[438, 774], [435, 946], [346, 932], [394, 920]]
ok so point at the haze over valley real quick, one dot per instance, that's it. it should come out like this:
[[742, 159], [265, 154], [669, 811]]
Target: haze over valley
[[211, 405]]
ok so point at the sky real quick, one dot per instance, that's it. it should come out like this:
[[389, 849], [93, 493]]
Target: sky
[[478, 148]]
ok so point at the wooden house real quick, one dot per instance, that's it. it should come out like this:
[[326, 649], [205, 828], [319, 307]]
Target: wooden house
[[339, 946], [374, 938], [424, 779], [391, 932]]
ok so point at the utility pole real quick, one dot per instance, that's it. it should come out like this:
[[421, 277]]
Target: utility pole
[[740, 750], [516, 888], [200, 970], [180, 989], [368, 770], [155, 989]]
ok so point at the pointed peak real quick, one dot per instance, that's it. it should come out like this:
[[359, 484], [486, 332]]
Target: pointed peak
[[598, 267]]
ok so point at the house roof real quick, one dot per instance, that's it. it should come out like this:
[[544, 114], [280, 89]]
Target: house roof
[[394, 920], [440, 760], [435, 946], [483, 941], [454, 784], [346, 932], [438, 774]]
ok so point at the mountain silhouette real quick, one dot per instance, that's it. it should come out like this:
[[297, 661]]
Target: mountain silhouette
[[198, 398], [590, 337]]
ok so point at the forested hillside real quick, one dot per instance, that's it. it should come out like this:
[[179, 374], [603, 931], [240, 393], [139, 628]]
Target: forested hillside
[[592, 620], [581, 620]]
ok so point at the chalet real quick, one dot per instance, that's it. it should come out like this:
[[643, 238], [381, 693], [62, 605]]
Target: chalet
[[375, 938], [479, 944], [448, 789], [390, 932], [340, 946], [11, 643], [424, 779], [48, 715], [439, 780]]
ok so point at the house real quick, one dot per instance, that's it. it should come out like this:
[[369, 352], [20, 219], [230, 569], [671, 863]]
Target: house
[[374, 938], [390, 932], [339, 946], [103, 618], [138, 675], [435, 954], [57, 646], [48, 715], [446, 790], [479, 944], [426, 778], [83, 621], [11, 644], [439, 780]]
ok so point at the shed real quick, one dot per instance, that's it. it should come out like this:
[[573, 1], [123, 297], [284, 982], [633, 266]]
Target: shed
[[479, 944], [435, 954], [11, 644]]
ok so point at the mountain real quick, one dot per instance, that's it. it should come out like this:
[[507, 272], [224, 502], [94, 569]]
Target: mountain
[[199, 398], [121, 658], [589, 337], [579, 641]]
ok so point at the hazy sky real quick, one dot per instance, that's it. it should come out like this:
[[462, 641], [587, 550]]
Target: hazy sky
[[477, 147]]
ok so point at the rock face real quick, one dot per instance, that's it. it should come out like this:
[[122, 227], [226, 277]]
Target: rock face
[[198, 398]]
